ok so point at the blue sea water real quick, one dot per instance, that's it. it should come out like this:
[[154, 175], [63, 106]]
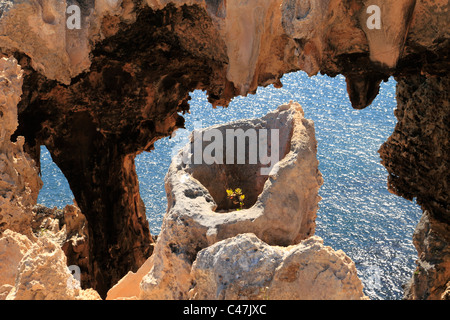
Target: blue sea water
[[357, 213]]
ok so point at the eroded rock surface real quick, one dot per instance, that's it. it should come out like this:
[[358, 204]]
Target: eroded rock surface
[[32, 264], [43, 275], [19, 180], [38, 269], [67, 227], [278, 215], [431, 277], [99, 95], [244, 267], [417, 158], [13, 246]]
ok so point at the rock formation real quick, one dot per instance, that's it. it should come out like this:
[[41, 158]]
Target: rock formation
[[246, 268], [38, 269], [98, 95], [277, 213], [195, 192], [200, 240], [42, 274], [19, 180], [32, 264], [143, 64], [68, 228], [13, 246], [416, 153]]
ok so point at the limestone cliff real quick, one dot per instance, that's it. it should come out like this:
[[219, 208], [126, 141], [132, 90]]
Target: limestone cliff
[[33, 265], [99, 94], [417, 158], [19, 181]]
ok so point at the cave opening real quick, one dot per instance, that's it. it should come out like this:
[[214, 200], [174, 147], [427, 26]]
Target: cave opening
[[55, 191], [354, 195], [139, 82]]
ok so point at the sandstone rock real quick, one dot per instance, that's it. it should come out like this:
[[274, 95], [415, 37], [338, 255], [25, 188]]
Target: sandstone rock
[[417, 151], [275, 212], [43, 275], [47, 221], [123, 58], [386, 44], [5, 290], [19, 180], [431, 277], [128, 288], [428, 24], [68, 228], [253, 33], [76, 242], [13, 246], [196, 193], [327, 32], [307, 22], [446, 294], [61, 53], [244, 267], [27, 270], [62, 225], [417, 159], [39, 29], [38, 270]]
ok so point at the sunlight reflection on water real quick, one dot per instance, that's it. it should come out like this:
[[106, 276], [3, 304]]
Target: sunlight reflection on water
[[357, 213]]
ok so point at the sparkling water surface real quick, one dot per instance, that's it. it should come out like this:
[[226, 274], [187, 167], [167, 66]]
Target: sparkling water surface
[[357, 213]]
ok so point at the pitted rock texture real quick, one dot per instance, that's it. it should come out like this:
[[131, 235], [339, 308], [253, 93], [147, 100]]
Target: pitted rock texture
[[100, 95], [275, 212], [417, 157], [139, 79], [142, 69], [279, 215], [32, 265], [69, 229], [43, 275], [13, 246], [38, 269], [38, 28], [246, 268], [19, 180], [430, 280], [418, 150]]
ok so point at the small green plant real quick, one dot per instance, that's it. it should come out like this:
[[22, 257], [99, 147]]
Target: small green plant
[[237, 197], [264, 293], [41, 232]]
